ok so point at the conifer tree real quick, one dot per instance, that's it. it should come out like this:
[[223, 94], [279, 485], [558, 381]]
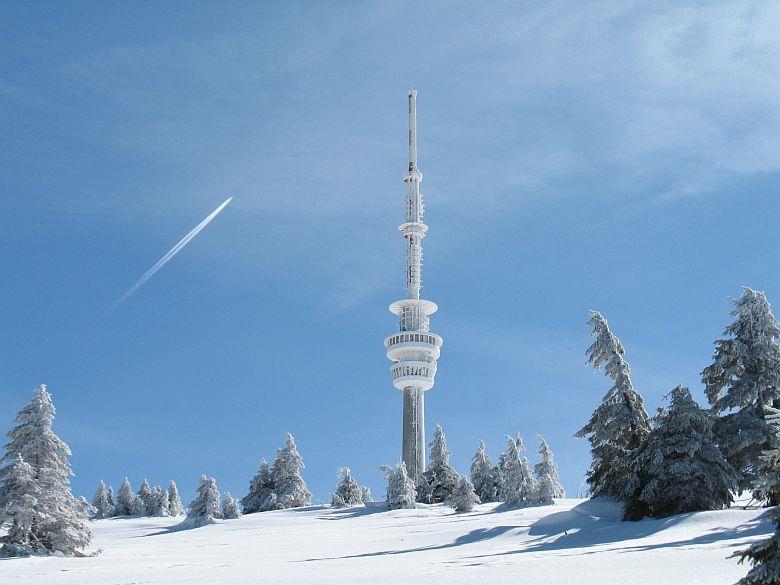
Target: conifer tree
[[230, 509], [464, 497], [401, 492], [764, 556], [743, 388], [680, 467], [137, 507], [348, 493], [22, 492], [517, 485], [289, 487], [87, 509], [206, 507], [101, 502], [174, 500], [158, 503], [110, 494], [548, 484], [619, 424], [423, 489], [440, 476], [64, 528], [146, 496], [260, 488], [365, 494], [483, 477], [125, 499]]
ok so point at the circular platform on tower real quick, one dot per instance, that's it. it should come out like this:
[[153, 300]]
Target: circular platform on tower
[[428, 307]]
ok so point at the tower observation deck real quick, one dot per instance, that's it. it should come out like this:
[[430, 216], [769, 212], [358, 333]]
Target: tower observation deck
[[414, 350]]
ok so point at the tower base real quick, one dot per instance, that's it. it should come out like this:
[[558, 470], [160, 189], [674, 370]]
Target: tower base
[[414, 432]]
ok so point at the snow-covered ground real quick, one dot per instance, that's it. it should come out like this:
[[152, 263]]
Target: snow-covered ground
[[573, 542]]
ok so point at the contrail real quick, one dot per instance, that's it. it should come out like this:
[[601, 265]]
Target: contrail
[[170, 254]]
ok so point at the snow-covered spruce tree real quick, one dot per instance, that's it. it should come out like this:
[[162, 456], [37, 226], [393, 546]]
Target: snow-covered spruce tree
[[440, 475], [516, 482], [206, 507], [260, 488], [400, 488], [680, 467], [146, 496], [764, 556], [289, 487], [21, 491], [365, 494], [158, 503], [619, 424], [742, 386], [483, 476], [464, 497], [548, 483], [110, 495], [125, 499], [230, 509], [101, 502], [87, 509], [348, 492], [137, 507], [423, 489], [63, 522], [174, 500]]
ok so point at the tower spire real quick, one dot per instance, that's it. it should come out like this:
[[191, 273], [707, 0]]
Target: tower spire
[[415, 350], [412, 130]]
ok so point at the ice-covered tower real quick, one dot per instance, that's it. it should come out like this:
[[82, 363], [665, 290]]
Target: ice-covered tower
[[414, 350]]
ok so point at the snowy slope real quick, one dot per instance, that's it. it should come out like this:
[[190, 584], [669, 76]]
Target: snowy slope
[[573, 542]]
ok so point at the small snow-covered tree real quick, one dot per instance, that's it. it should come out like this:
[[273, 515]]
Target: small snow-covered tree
[[110, 494], [125, 499], [464, 497], [680, 467], [21, 493], [206, 507], [137, 507], [101, 502], [764, 556], [146, 496], [87, 509], [400, 488], [619, 424], [743, 388], [423, 489], [517, 485], [64, 529], [174, 500], [230, 509], [348, 492], [365, 494], [158, 503], [260, 488], [440, 475], [289, 487], [548, 484], [483, 476]]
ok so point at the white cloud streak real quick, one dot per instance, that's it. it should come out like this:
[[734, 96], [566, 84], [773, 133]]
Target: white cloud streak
[[170, 254]]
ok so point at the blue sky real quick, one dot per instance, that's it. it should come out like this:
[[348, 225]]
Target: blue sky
[[618, 156]]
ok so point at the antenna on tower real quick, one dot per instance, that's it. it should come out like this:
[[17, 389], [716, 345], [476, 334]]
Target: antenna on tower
[[412, 130]]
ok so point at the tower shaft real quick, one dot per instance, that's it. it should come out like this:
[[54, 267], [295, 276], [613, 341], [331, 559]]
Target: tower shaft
[[415, 350]]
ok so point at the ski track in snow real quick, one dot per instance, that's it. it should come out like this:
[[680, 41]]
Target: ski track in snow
[[573, 542]]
